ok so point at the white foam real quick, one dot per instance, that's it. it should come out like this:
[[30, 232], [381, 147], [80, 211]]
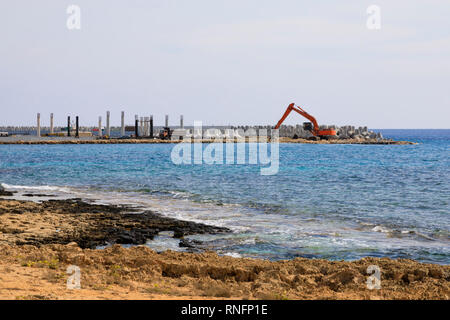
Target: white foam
[[381, 229], [233, 254], [41, 188]]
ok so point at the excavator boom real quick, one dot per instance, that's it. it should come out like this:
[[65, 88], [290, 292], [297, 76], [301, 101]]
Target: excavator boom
[[315, 130]]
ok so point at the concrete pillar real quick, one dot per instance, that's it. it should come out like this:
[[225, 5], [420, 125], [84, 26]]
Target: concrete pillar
[[68, 126], [108, 129], [136, 126], [181, 122], [141, 126], [51, 123], [122, 129], [38, 129], [100, 126], [167, 121], [151, 126], [146, 127], [77, 127]]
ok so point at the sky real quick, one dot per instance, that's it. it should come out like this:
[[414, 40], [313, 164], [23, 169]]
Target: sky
[[226, 62]]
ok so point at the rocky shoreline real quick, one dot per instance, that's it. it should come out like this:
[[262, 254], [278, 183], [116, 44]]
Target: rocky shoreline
[[88, 225], [158, 141], [40, 240]]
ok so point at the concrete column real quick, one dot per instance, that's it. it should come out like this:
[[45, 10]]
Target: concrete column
[[51, 123], [151, 126], [141, 126], [181, 122], [77, 127], [108, 129], [146, 131], [68, 126], [38, 129], [167, 121], [136, 126], [100, 126], [122, 129]]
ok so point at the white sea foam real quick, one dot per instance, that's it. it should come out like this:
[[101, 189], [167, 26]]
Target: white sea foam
[[233, 254], [381, 229], [41, 188]]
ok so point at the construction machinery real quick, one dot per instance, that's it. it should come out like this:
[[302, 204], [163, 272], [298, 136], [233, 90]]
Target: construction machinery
[[165, 133], [312, 126]]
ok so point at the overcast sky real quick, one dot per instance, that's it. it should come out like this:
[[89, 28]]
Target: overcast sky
[[227, 62]]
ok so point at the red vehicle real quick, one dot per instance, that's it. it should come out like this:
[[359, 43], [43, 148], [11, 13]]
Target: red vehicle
[[312, 127]]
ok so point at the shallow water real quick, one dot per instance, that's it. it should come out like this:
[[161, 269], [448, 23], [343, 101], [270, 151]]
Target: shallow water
[[327, 201]]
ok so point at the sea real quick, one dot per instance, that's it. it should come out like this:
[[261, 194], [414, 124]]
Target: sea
[[336, 202]]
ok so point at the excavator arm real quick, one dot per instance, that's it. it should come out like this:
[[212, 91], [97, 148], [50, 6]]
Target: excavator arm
[[315, 130]]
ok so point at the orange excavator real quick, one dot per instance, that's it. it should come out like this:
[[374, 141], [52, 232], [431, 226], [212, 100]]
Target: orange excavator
[[312, 127]]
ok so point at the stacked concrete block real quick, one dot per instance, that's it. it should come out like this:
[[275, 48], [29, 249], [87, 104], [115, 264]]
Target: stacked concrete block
[[181, 134], [212, 134]]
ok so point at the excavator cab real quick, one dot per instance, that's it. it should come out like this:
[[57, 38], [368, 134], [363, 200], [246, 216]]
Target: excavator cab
[[308, 126], [165, 133]]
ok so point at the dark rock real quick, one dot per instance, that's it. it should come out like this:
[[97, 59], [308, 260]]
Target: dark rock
[[5, 193], [96, 225], [187, 243]]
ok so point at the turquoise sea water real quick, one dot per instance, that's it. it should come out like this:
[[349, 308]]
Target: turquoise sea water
[[327, 201]]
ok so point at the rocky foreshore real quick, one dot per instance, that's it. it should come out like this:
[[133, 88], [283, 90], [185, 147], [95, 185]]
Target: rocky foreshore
[[368, 141], [39, 240], [88, 225]]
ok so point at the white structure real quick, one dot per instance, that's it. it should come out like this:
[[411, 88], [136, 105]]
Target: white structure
[[167, 120], [141, 126], [51, 123], [180, 134], [146, 126], [108, 129], [38, 130], [100, 126], [122, 129]]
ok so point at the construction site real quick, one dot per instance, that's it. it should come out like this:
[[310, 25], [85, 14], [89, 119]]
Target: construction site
[[144, 130]]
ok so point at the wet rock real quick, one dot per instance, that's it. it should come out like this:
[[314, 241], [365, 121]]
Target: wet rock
[[94, 225], [5, 193], [187, 243]]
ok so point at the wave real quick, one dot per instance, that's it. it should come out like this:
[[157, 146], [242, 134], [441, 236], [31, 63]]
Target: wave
[[41, 188]]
